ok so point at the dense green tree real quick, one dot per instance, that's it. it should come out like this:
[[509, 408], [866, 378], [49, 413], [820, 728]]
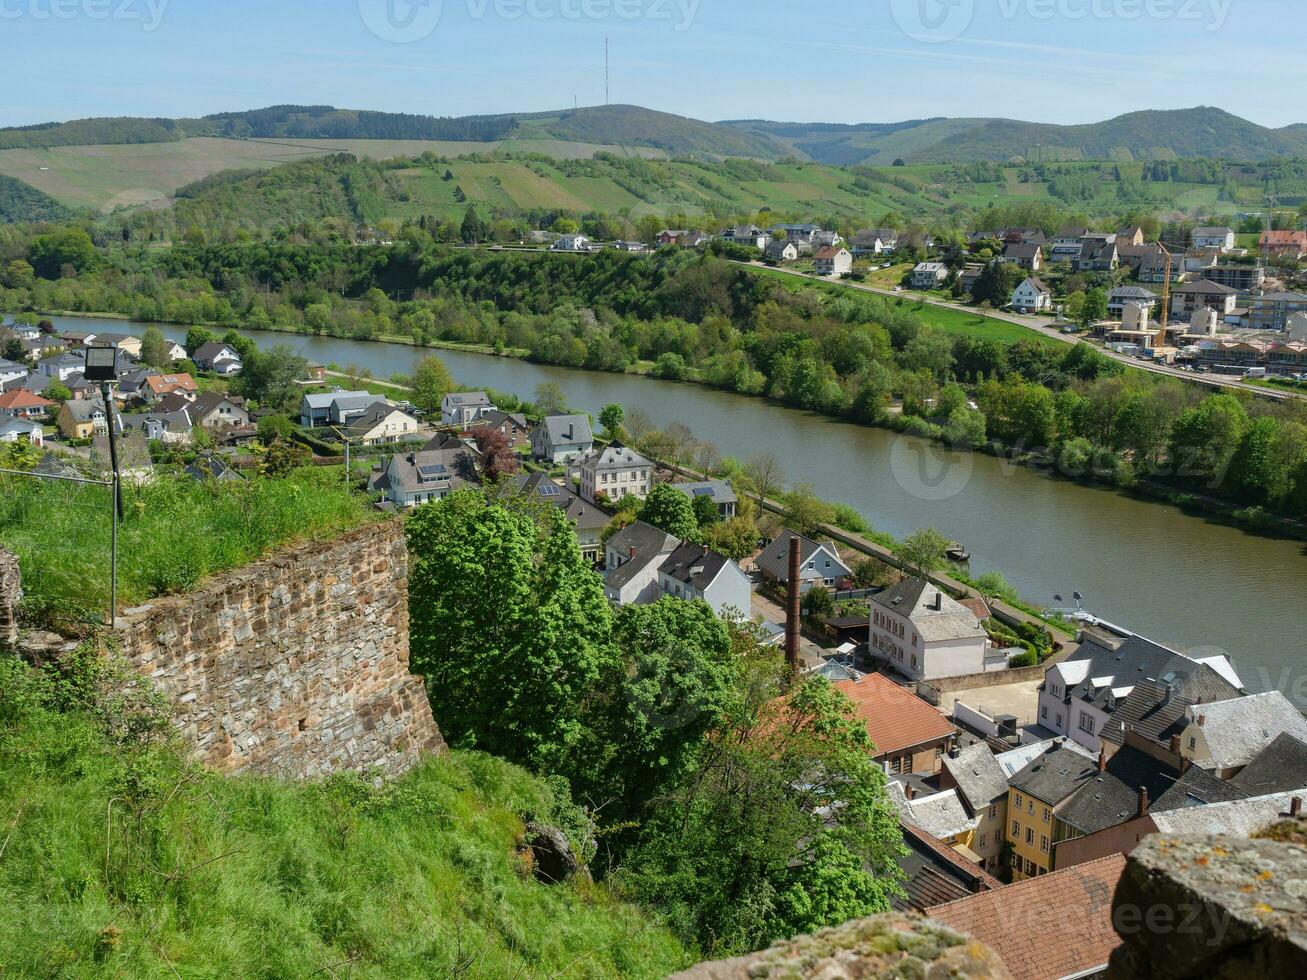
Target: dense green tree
[[197, 337], [1204, 439], [706, 512], [611, 417], [923, 550], [1256, 472], [736, 538], [671, 510], [550, 399], [270, 377], [805, 512], [68, 249], [1094, 309], [155, 348], [431, 383]]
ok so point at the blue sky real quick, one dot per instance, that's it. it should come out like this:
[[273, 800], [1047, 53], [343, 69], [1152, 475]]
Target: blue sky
[[1066, 61]]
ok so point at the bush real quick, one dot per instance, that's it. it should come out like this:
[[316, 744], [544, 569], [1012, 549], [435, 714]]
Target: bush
[[1027, 659]]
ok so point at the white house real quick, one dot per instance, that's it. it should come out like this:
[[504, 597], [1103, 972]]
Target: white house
[[749, 236], [819, 564], [924, 634], [874, 241], [462, 407], [441, 467], [617, 473], [11, 371], [381, 425], [929, 275], [62, 366], [571, 243], [1032, 296], [693, 572], [632, 559], [1224, 736], [562, 438], [217, 358], [15, 428], [833, 261], [782, 250], [1219, 238]]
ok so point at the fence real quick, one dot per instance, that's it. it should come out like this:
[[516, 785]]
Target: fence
[[63, 528]]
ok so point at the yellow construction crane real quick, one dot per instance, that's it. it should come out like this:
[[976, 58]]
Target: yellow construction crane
[[1164, 314]]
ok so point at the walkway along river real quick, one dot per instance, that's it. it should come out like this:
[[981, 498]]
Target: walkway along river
[[1178, 579]]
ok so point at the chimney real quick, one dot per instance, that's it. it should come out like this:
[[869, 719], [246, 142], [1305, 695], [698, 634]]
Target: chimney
[[1175, 744], [939, 602], [909, 790], [793, 611], [1295, 807], [1143, 802], [1202, 720], [632, 552], [1102, 759]]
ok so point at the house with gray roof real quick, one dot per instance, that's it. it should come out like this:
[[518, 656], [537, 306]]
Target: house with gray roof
[[211, 409], [218, 358], [633, 558], [1225, 736], [941, 814], [819, 564], [382, 424], [463, 407], [63, 366], [18, 429], [212, 466], [11, 371], [1235, 818], [170, 428], [693, 572], [316, 406], [720, 492], [616, 472], [588, 520], [924, 634], [1279, 767], [1081, 696], [408, 480], [562, 439]]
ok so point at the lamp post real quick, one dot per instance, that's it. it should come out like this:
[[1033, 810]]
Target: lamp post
[[102, 366]]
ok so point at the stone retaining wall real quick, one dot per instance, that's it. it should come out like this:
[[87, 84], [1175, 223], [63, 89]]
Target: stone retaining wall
[[296, 665]]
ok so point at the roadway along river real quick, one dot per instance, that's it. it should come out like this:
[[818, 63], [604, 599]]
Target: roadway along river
[[1177, 579]]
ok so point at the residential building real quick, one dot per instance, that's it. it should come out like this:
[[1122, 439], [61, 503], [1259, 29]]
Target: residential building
[[1132, 236], [1148, 262], [512, 425], [464, 407], [935, 873], [169, 428], [1234, 354], [1032, 296], [967, 278], [1287, 358], [1197, 295], [940, 814], [719, 491], [333, 407], [131, 386], [633, 558], [1023, 236], [217, 358], [1278, 768], [1028, 257], [1221, 239], [62, 366], [929, 275], [588, 520], [1271, 311], [1068, 244], [1059, 925], [826, 239], [15, 428], [442, 466], [21, 403], [382, 424], [82, 418], [1034, 795], [571, 243], [1197, 261], [833, 261], [1119, 297], [975, 773], [126, 343], [1286, 244], [1295, 328], [924, 634], [781, 250], [1224, 736], [799, 234], [561, 439], [1081, 695], [693, 572], [874, 241], [159, 386], [1097, 255], [211, 409], [908, 734], [1241, 278], [819, 564], [747, 236], [617, 473]]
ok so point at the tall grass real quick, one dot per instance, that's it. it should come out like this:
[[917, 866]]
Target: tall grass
[[121, 860], [176, 532]]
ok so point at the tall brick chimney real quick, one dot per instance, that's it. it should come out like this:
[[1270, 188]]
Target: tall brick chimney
[[793, 611]]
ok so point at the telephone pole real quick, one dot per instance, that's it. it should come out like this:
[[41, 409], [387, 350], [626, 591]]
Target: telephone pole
[[606, 75]]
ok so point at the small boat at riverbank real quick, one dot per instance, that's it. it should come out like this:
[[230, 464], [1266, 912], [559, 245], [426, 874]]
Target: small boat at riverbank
[[957, 552]]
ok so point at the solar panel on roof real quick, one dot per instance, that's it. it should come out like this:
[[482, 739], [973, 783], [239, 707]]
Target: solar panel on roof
[[702, 491], [433, 472], [551, 490]]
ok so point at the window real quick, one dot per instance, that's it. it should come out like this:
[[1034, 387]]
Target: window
[[1193, 743], [1043, 843], [993, 812], [1047, 815], [1016, 830], [1018, 801], [1086, 722], [1030, 835], [1059, 719], [984, 840], [1043, 713]]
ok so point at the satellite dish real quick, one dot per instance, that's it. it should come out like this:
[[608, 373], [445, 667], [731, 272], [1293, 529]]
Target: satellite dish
[[1077, 596]]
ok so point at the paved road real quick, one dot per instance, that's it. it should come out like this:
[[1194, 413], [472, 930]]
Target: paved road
[[1041, 326]]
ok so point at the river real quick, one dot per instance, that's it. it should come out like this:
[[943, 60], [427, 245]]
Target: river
[[1179, 579]]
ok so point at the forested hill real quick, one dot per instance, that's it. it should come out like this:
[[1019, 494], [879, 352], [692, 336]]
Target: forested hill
[[22, 202]]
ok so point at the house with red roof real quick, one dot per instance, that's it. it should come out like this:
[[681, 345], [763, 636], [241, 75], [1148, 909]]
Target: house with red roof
[[909, 735], [23, 404]]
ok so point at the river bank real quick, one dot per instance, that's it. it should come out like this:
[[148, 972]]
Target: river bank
[[1253, 520]]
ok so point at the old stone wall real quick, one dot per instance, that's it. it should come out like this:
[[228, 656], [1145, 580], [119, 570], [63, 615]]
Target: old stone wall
[[297, 665], [11, 594]]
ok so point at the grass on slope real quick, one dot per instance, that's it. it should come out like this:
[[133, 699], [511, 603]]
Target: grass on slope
[[177, 532], [119, 859]]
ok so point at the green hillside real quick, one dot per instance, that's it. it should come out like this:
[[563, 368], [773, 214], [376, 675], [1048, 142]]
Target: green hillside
[[22, 202], [120, 859]]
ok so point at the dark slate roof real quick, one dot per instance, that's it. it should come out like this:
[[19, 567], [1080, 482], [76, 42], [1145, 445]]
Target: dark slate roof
[[1055, 775], [979, 777], [936, 873], [557, 429], [694, 565], [1156, 708], [207, 352], [649, 544], [1112, 797], [775, 558], [1278, 768], [582, 515], [1206, 286]]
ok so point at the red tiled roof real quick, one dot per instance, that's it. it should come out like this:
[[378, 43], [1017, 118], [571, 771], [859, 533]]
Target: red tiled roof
[[1052, 926], [165, 383], [829, 252], [1284, 238], [895, 718], [21, 398]]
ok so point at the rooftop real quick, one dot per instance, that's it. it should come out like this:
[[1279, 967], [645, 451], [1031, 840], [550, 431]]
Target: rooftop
[[896, 719]]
